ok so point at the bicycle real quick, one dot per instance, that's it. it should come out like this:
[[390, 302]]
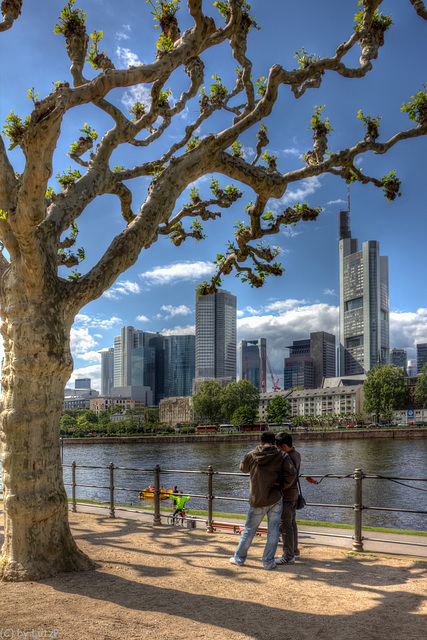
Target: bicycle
[[178, 519]]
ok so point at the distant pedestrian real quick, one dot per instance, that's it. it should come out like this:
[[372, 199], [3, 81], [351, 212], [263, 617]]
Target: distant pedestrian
[[179, 501], [271, 470], [288, 524]]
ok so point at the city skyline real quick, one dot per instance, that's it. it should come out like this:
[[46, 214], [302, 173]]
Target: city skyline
[[157, 293]]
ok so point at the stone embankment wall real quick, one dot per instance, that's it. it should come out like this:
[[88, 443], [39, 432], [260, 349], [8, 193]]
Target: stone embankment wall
[[344, 434]]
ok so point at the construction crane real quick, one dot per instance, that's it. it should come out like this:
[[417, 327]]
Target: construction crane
[[275, 383]]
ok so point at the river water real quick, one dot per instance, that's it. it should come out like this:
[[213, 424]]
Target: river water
[[394, 458]]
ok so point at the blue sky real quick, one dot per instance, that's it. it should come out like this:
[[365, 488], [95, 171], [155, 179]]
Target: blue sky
[[158, 293]]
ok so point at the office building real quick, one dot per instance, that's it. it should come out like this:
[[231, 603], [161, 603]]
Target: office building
[[253, 361], [107, 371], [299, 369], [134, 362], [82, 383], [421, 355], [216, 332], [399, 358], [364, 303], [412, 368], [182, 361], [310, 361]]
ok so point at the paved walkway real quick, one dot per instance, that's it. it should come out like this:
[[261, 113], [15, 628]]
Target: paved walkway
[[374, 541]]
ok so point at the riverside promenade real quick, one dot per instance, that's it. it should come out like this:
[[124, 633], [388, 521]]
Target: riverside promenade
[[171, 583]]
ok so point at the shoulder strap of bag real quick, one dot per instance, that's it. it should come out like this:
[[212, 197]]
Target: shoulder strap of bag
[[296, 469]]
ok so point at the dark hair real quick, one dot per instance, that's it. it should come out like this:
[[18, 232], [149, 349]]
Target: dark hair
[[284, 438], [267, 437]]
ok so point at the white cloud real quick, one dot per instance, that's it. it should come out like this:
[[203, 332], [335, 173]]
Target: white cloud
[[339, 201], [329, 292], [180, 271], [284, 321], [81, 341], [90, 356], [121, 35], [93, 372], [306, 188], [181, 310], [290, 232], [292, 151], [189, 330], [282, 306], [142, 319], [95, 321], [408, 329], [122, 288], [127, 57]]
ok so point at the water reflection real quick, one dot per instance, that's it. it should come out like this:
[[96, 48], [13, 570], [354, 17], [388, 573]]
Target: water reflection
[[381, 457]]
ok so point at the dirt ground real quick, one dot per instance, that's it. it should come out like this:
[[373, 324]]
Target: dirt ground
[[159, 583]]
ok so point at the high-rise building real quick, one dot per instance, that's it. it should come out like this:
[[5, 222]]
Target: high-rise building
[[364, 303], [310, 361], [253, 361], [412, 368], [216, 332], [399, 358], [134, 360], [182, 360], [107, 371], [421, 355], [82, 383]]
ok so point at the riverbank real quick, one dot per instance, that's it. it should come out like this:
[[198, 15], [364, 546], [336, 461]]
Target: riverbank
[[165, 582], [338, 434]]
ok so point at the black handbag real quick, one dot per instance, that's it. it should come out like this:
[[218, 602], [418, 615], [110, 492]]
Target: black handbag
[[300, 500]]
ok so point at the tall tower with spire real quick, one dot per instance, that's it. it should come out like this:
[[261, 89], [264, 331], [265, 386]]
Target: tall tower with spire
[[364, 303]]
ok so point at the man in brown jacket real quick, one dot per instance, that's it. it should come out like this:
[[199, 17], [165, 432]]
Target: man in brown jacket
[[271, 470], [288, 525]]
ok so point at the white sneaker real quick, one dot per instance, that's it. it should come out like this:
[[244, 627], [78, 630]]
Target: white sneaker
[[282, 560], [233, 561]]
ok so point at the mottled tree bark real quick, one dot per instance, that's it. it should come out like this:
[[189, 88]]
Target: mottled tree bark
[[37, 365]]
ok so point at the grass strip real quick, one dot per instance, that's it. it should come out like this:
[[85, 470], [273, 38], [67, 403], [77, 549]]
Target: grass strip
[[240, 516]]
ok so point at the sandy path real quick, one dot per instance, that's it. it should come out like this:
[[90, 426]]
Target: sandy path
[[159, 583]]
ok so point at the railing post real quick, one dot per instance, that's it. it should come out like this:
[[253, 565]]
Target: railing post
[[73, 486], [209, 523], [157, 520], [112, 511], [358, 508]]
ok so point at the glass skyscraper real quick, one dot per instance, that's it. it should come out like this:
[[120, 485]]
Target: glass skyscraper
[[253, 362], [216, 332], [181, 365], [364, 303]]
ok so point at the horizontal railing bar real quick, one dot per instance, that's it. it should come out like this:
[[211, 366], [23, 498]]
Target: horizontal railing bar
[[391, 509], [418, 544]]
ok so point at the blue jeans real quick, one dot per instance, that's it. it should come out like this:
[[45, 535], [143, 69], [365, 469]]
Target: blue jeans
[[253, 520]]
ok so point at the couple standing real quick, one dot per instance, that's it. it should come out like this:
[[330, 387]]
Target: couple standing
[[273, 492]]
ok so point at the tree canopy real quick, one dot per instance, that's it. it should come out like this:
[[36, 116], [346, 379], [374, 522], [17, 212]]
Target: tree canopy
[[420, 394], [384, 391], [152, 167], [278, 410]]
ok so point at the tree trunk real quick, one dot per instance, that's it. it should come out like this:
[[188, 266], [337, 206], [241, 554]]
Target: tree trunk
[[37, 365]]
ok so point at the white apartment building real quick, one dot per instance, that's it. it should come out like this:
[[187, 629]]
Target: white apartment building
[[333, 401]]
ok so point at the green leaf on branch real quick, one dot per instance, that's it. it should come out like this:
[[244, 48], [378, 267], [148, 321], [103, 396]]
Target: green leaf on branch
[[391, 186], [417, 108], [15, 128], [70, 20]]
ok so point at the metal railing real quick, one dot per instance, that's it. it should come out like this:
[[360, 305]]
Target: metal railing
[[358, 507]]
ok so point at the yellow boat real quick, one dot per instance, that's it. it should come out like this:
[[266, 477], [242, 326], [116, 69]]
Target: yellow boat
[[148, 494]]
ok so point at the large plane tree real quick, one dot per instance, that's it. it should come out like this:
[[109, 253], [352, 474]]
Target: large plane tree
[[38, 226]]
